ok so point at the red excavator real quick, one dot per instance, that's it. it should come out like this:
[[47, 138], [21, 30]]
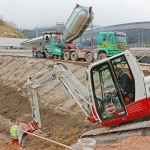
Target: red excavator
[[120, 105]]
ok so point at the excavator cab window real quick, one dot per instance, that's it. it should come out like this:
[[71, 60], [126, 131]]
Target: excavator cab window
[[108, 101], [111, 93]]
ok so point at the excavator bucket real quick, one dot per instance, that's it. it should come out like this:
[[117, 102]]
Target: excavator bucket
[[28, 127]]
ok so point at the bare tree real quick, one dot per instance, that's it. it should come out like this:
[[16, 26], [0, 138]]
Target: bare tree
[[12, 24]]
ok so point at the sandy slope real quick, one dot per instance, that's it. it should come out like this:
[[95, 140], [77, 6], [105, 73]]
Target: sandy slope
[[62, 120]]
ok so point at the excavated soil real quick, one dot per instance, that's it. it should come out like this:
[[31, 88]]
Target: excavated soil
[[12, 103], [138, 143], [62, 120]]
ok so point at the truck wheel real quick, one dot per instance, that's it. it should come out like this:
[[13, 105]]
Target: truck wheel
[[45, 55], [55, 57], [102, 56], [38, 54], [89, 57], [60, 57], [74, 56], [66, 56]]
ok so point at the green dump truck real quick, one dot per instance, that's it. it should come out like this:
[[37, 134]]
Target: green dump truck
[[110, 43]]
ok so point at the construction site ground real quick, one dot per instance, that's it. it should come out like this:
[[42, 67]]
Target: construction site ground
[[62, 120]]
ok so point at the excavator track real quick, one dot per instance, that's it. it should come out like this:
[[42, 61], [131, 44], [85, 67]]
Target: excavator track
[[115, 134]]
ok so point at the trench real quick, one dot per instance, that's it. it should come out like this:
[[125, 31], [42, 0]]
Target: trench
[[63, 128]]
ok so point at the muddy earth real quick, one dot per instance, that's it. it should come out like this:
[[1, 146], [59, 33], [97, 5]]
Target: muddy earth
[[62, 120]]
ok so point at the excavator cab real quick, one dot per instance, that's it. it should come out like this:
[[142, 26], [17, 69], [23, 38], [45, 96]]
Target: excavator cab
[[113, 87]]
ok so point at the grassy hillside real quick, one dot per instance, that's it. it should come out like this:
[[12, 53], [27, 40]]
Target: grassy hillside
[[7, 31]]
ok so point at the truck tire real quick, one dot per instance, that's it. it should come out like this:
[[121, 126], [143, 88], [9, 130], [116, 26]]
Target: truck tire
[[74, 56], [44, 55], [55, 57], [59, 57], [66, 56], [38, 54], [102, 56], [89, 57]]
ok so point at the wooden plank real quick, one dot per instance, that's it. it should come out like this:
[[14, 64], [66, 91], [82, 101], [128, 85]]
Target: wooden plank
[[46, 139]]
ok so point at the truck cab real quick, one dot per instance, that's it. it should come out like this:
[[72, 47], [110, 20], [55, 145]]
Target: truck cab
[[111, 43]]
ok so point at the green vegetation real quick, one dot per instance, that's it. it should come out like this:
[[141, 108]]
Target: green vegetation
[[6, 30], [32, 33]]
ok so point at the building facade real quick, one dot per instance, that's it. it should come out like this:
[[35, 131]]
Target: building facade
[[11, 43], [138, 34]]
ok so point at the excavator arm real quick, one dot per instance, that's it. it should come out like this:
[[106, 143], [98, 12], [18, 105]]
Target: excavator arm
[[60, 72], [33, 94], [76, 89]]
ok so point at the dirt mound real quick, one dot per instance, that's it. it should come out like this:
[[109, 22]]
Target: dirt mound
[[12, 103], [6, 146], [138, 143]]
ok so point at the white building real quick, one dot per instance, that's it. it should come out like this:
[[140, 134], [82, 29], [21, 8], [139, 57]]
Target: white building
[[11, 43]]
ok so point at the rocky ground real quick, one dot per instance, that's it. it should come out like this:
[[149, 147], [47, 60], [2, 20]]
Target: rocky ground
[[62, 120]]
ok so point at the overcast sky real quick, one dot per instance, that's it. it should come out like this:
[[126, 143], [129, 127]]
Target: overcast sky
[[45, 13]]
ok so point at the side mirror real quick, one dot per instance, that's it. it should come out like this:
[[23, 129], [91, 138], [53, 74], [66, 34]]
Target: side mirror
[[127, 40]]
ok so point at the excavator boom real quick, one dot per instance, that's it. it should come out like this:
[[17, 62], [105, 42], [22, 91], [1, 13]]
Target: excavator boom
[[60, 72]]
